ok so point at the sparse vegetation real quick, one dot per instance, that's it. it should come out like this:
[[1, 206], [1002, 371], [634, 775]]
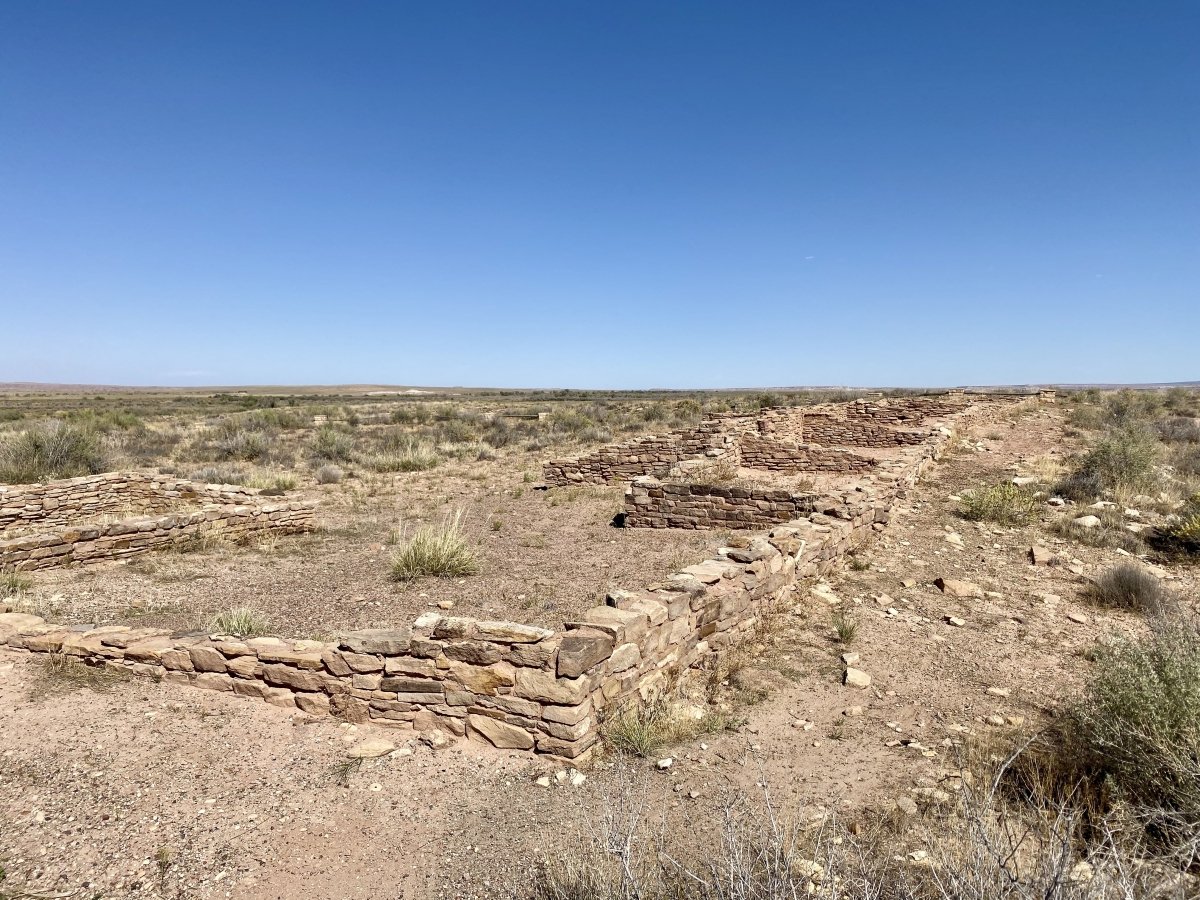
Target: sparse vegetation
[[332, 444], [58, 673], [1004, 503], [844, 627], [440, 550]]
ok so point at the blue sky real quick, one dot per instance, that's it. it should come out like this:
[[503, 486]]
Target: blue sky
[[610, 194]]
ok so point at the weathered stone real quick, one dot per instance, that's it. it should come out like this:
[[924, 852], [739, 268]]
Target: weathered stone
[[582, 649], [214, 681], [388, 642], [499, 734], [510, 632], [404, 685], [313, 704], [954, 588], [856, 678], [483, 679], [477, 653], [207, 659], [535, 684], [297, 679]]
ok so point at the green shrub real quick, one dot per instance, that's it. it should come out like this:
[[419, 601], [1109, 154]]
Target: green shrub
[[1125, 458], [48, 450], [1004, 503], [440, 550], [332, 444]]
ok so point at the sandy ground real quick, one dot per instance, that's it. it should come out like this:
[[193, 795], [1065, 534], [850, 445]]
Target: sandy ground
[[553, 553], [239, 799]]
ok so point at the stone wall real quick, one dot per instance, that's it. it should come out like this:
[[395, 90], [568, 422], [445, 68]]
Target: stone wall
[[835, 431], [905, 410], [515, 686], [72, 499], [653, 455], [650, 503], [781, 456], [50, 508]]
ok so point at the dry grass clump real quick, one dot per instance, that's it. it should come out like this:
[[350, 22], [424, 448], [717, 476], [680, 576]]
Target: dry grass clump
[[241, 621], [1004, 503], [440, 550], [49, 450], [218, 475], [58, 673], [643, 728], [1129, 586], [405, 455], [14, 584]]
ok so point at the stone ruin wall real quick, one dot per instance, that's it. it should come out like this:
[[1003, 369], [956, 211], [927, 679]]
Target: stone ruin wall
[[228, 510], [650, 503], [512, 685], [64, 502], [780, 456], [835, 431]]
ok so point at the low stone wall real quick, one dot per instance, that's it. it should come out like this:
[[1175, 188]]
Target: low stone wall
[[514, 686], [94, 543], [650, 503], [780, 456], [71, 499], [906, 410], [832, 431], [653, 455], [228, 510]]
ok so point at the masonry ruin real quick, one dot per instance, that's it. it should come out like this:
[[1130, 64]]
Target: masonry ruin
[[807, 484]]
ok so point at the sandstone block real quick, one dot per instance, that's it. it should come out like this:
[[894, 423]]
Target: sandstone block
[[499, 734]]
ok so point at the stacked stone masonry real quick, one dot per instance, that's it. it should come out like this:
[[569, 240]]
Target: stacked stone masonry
[[47, 511], [511, 685]]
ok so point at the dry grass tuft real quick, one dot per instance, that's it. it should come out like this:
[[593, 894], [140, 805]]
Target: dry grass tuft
[[59, 673], [440, 550], [241, 621]]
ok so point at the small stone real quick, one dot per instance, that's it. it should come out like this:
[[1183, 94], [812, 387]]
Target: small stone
[[1077, 618], [995, 720], [370, 749], [856, 678], [445, 604], [955, 621], [1043, 556], [851, 658], [998, 691], [852, 711], [1088, 522], [665, 763], [544, 781], [952, 587], [577, 778], [435, 738]]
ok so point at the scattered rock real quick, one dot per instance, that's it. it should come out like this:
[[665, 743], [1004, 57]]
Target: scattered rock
[[665, 763], [1088, 522], [952, 587], [955, 621], [1078, 618], [1043, 556], [370, 749], [856, 678]]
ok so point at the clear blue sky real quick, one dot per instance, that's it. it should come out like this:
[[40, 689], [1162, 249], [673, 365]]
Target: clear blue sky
[[643, 194]]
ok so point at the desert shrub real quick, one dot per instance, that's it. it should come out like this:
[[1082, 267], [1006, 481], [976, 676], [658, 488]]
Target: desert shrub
[[1004, 503], [104, 421], [277, 418], [274, 485], [440, 550], [233, 442], [218, 475], [1129, 586], [1182, 536], [329, 474], [844, 627], [1124, 458], [1186, 460], [1139, 721], [332, 444], [48, 450], [1179, 430], [241, 621]]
